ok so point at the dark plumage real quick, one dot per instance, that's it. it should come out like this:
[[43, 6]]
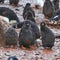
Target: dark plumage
[[11, 37], [14, 2], [29, 16], [34, 27], [48, 9], [28, 8], [56, 4], [26, 35], [2, 36], [12, 58], [4, 11], [48, 37], [1, 1], [56, 15]]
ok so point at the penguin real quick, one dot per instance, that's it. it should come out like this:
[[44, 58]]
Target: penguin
[[2, 36], [28, 8], [12, 58], [29, 16], [14, 2], [1, 1], [47, 35], [56, 4], [26, 36], [48, 9], [6, 12], [11, 37], [56, 16]]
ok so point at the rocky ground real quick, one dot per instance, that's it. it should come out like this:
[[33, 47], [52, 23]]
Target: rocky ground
[[38, 53]]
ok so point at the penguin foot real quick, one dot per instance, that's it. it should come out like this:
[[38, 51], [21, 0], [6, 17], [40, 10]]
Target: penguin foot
[[46, 51], [23, 48]]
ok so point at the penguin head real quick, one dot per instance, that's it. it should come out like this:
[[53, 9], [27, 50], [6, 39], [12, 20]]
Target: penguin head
[[28, 4], [12, 58], [27, 24], [42, 25]]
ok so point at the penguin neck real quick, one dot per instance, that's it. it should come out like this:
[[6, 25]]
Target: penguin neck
[[47, 1], [42, 28]]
